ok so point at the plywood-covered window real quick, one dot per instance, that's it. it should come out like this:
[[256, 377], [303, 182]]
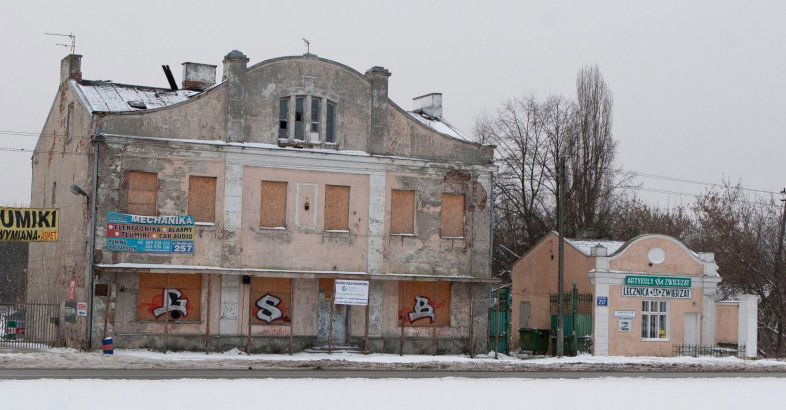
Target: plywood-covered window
[[202, 198], [424, 303], [173, 297], [273, 209], [271, 300], [336, 208], [402, 212], [452, 216], [141, 192]]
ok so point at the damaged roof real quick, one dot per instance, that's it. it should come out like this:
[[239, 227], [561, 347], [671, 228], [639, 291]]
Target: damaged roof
[[586, 245], [106, 96], [439, 125]]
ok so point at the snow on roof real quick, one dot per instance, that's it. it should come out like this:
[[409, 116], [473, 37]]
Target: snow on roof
[[439, 125], [106, 96], [585, 245]]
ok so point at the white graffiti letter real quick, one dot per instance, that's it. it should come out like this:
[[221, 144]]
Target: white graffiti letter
[[421, 310], [267, 308], [172, 303]]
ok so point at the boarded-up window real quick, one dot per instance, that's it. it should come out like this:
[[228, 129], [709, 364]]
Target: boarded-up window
[[336, 208], [271, 301], [142, 189], [452, 216], [402, 212], [174, 297], [202, 198], [273, 209], [424, 303]]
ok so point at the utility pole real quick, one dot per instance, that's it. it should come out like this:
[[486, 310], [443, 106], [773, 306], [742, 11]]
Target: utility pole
[[561, 259], [778, 257]]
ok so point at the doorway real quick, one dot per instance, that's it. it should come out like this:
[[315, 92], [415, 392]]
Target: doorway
[[692, 324], [325, 326]]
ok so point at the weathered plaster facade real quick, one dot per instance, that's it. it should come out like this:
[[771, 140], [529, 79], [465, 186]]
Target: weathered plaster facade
[[230, 131]]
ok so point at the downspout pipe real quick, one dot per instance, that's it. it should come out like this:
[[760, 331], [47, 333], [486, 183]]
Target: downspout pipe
[[92, 245]]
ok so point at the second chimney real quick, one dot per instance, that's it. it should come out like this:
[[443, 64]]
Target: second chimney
[[198, 77], [430, 104]]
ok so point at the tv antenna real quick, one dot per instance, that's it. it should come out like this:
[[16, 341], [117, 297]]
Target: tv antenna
[[71, 36], [308, 45]]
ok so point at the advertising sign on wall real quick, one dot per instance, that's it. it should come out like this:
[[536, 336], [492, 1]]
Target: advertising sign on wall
[[657, 281], [149, 234], [670, 293], [351, 292], [29, 224]]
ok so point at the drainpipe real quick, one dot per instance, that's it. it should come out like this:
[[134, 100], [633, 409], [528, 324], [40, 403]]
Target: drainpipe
[[92, 245]]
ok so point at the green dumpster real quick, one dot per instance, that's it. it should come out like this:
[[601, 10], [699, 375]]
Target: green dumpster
[[534, 340]]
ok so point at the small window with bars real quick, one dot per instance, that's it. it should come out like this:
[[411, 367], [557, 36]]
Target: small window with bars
[[330, 123]]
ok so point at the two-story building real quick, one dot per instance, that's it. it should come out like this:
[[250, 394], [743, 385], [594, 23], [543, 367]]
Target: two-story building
[[297, 171]]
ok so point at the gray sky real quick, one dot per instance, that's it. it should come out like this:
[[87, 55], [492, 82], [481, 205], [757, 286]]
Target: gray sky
[[699, 86]]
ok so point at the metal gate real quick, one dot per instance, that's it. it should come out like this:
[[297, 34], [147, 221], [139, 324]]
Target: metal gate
[[499, 319], [29, 325], [577, 323]]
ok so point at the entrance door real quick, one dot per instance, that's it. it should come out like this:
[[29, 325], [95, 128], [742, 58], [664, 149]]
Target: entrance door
[[524, 315], [339, 314], [692, 323]]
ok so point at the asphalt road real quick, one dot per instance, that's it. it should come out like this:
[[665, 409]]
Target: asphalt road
[[161, 374]]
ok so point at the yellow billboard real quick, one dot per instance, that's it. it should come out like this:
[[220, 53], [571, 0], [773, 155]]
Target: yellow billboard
[[29, 224]]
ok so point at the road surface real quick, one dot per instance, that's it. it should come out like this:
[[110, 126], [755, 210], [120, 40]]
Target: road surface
[[159, 374]]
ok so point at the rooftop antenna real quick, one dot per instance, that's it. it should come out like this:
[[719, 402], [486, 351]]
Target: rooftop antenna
[[72, 36], [308, 45]]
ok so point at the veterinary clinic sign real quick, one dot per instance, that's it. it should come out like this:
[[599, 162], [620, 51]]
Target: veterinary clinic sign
[[657, 281], [670, 293], [149, 234], [29, 224]]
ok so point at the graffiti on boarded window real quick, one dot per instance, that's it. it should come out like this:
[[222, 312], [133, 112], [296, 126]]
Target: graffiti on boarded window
[[424, 303], [169, 297], [271, 301]]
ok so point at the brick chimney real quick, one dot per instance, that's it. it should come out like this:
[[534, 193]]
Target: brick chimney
[[378, 77], [430, 104], [235, 66], [198, 77], [71, 68]]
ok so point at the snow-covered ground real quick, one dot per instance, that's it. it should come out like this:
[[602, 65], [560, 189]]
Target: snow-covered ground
[[70, 358], [365, 394]]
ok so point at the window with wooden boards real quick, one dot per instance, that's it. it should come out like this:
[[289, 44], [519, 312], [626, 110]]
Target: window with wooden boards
[[424, 303], [271, 301], [336, 208], [402, 212], [273, 207], [142, 189], [452, 216], [202, 198], [173, 297]]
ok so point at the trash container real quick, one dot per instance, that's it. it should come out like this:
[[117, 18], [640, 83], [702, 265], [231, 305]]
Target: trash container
[[107, 345], [534, 340]]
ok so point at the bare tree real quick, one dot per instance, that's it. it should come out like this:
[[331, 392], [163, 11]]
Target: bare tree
[[745, 236]]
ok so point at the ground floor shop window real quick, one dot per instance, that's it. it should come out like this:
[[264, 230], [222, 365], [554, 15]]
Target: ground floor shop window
[[425, 304], [654, 319], [271, 300], [169, 297]]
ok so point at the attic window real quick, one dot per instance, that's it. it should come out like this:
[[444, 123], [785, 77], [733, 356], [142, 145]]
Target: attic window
[[137, 104]]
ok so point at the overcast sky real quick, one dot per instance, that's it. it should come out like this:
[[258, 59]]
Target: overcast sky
[[699, 86]]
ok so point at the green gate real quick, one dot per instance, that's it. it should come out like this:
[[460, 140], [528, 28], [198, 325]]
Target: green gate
[[577, 321], [499, 319]]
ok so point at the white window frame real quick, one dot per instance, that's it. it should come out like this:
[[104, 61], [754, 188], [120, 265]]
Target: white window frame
[[662, 310]]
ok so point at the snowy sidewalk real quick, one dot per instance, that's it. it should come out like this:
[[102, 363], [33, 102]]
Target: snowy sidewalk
[[234, 359]]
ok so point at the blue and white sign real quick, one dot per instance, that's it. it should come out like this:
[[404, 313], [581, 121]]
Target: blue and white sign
[[149, 234], [602, 300]]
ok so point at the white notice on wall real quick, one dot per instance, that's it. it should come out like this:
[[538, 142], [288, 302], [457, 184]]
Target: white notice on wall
[[625, 325], [351, 292]]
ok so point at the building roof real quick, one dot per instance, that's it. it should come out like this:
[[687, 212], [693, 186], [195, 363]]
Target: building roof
[[586, 245], [439, 125], [106, 96]]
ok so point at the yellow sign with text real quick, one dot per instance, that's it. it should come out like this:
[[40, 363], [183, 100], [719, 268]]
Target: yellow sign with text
[[29, 224]]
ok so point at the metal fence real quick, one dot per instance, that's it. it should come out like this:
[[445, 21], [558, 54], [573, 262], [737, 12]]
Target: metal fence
[[30, 325], [714, 351]]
